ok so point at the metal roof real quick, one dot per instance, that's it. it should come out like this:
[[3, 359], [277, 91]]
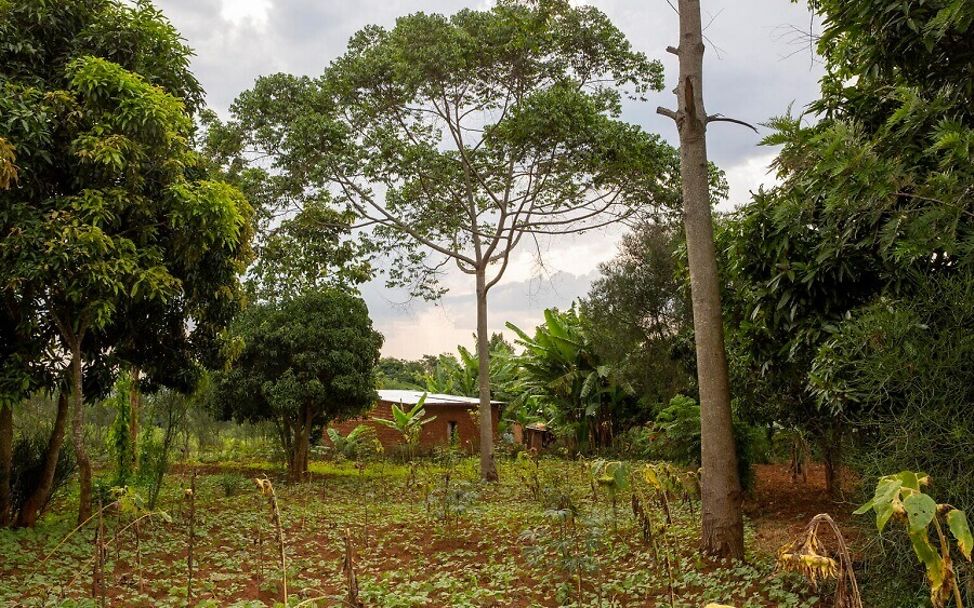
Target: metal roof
[[413, 397]]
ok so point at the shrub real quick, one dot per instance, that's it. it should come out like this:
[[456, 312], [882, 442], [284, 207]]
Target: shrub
[[677, 439], [28, 462], [230, 483]]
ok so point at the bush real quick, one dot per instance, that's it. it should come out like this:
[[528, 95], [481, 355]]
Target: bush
[[676, 438], [231, 483], [28, 462]]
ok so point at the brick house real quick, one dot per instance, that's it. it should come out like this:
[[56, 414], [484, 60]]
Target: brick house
[[453, 415]]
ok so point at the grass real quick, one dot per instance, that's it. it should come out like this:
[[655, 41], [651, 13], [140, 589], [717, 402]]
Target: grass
[[424, 535]]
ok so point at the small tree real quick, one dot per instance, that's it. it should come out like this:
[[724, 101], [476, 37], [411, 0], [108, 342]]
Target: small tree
[[457, 138], [302, 363]]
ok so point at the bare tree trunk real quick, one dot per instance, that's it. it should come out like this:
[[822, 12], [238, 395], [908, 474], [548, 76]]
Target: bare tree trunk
[[78, 433], [39, 497], [6, 462], [488, 468], [722, 526], [135, 402], [300, 446], [832, 457]]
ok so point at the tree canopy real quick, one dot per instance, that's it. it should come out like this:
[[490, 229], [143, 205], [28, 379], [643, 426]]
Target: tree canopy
[[115, 241]]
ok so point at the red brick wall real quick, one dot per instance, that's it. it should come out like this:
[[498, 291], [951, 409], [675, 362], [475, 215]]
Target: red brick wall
[[434, 433]]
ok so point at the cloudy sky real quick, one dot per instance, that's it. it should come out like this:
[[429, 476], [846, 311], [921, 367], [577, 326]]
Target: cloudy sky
[[756, 66]]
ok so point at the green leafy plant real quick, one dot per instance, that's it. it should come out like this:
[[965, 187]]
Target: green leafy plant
[[613, 476], [350, 445], [408, 423], [901, 497]]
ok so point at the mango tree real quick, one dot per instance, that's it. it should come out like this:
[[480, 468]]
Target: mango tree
[[302, 363], [111, 230]]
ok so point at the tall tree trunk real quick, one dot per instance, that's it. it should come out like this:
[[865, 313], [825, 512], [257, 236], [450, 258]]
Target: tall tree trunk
[[832, 457], [6, 462], [488, 468], [135, 401], [42, 492], [722, 526], [78, 433]]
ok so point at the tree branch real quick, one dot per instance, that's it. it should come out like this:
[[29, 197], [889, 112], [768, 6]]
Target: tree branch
[[722, 118]]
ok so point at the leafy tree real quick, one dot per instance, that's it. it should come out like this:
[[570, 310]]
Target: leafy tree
[[875, 206], [396, 373], [303, 363], [638, 310], [303, 241], [113, 237], [456, 137]]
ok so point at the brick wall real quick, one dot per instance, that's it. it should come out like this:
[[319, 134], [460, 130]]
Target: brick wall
[[434, 433]]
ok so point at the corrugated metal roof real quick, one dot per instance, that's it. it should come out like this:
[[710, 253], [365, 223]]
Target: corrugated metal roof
[[413, 397]]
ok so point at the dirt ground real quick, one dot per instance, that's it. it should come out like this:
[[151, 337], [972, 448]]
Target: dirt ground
[[781, 507]]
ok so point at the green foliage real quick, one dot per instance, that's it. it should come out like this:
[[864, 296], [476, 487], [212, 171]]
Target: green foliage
[[398, 124], [408, 423], [231, 484], [639, 308], [119, 444], [678, 425], [356, 443], [400, 374], [561, 375], [901, 496], [460, 375], [302, 362], [676, 438], [29, 452], [113, 234]]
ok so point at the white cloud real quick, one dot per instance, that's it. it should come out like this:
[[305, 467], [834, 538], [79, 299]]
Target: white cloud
[[240, 12], [748, 176]]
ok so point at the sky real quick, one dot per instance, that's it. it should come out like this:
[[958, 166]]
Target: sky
[[756, 67]]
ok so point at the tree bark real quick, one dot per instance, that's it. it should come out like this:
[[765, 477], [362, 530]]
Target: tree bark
[[6, 462], [135, 401], [301, 446], [39, 497], [488, 468], [832, 457], [722, 525], [78, 434]]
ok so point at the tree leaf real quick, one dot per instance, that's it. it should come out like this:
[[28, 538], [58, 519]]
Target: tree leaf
[[957, 522], [920, 510]]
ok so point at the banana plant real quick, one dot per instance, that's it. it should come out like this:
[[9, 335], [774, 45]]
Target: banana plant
[[901, 497], [560, 367], [351, 444], [409, 423]]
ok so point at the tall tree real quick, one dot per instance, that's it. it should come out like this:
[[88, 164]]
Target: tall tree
[[456, 137], [303, 362], [111, 229], [720, 488], [639, 312]]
